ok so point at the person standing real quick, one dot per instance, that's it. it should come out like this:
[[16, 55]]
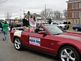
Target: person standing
[[49, 21], [26, 21], [32, 23], [5, 27], [0, 27]]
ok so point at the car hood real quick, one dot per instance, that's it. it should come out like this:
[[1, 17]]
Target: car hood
[[71, 35]]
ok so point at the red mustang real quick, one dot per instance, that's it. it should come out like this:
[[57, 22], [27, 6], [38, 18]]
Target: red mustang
[[49, 39]]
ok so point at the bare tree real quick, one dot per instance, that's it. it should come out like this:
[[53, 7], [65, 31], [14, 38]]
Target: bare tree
[[57, 15], [47, 13], [65, 14]]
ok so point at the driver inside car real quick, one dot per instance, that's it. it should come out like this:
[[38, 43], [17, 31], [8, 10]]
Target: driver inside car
[[38, 28]]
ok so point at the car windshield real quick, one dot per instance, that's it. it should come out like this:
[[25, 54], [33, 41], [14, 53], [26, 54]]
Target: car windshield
[[54, 29]]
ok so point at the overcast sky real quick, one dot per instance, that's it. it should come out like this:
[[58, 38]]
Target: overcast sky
[[18, 6]]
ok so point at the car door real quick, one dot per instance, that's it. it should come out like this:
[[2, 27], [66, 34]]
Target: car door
[[35, 38], [49, 43], [41, 41]]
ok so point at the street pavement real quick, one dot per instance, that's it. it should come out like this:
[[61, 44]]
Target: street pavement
[[8, 53]]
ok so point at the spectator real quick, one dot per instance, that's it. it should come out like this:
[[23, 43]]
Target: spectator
[[26, 21], [50, 21], [0, 26], [5, 30], [32, 22], [11, 25]]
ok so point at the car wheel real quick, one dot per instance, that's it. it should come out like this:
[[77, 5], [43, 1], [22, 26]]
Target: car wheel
[[68, 53], [17, 44]]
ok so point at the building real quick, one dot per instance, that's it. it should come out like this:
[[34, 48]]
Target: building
[[74, 11]]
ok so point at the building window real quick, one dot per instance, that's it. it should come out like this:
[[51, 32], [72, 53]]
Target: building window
[[74, 5], [72, 14], [69, 6], [70, 0], [69, 14], [74, 0], [79, 14], [76, 14], [79, 5]]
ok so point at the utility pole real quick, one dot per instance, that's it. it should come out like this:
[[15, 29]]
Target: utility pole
[[45, 13], [45, 10], [8, 15]]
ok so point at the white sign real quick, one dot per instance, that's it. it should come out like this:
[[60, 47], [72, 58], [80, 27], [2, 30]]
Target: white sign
[[34, 41]]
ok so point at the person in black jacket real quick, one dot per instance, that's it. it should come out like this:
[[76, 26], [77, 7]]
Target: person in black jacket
[[49, 21], [26, 21], [1, 28]]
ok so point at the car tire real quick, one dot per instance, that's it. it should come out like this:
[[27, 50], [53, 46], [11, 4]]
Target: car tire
[[68, 53], [17, 44]]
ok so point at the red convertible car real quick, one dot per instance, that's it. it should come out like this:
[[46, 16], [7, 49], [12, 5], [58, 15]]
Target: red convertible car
[[51, 40]]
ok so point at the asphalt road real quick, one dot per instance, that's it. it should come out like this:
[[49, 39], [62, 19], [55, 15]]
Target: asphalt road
[[8, 53]]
